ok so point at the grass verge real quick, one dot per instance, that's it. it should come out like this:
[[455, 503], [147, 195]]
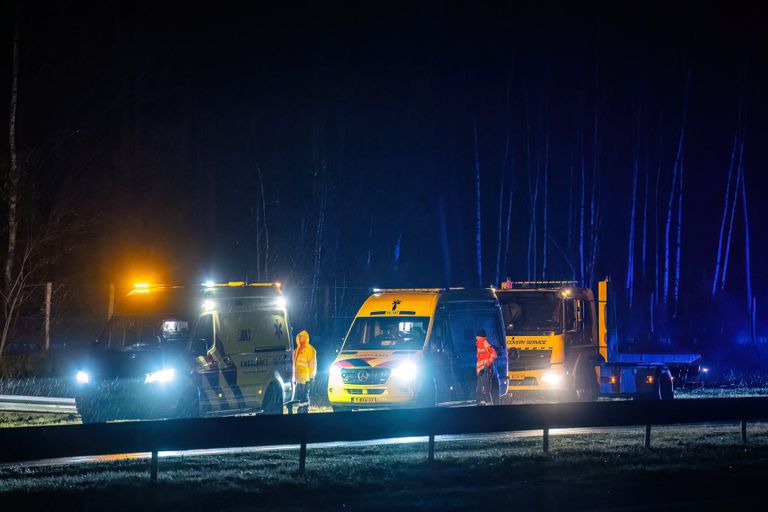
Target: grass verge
[[687, 468]]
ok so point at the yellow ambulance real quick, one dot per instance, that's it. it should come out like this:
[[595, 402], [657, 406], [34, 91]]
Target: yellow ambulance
[[416, 347], [180, 351]]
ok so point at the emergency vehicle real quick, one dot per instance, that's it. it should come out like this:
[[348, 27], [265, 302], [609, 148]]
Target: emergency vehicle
[[416, 347], [173, 351], [559, 346]]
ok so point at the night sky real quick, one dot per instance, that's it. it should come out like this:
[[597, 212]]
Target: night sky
[[157, 128]]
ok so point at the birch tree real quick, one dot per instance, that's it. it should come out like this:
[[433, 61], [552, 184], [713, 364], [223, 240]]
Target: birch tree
[[631, 249], [728, 182], [478, 217]]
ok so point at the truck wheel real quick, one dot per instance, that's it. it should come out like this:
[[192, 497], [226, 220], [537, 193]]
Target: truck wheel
[[586, 387], [273, 401], [666, 387]]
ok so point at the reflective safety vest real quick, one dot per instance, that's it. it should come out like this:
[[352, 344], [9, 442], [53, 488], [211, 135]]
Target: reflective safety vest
[[305, 363], [486, 354]]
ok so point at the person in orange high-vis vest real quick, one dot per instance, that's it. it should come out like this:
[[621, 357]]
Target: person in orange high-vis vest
[[486, 372], [304, 370]]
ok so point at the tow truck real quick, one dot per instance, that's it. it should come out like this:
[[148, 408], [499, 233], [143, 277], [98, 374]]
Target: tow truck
[[188, 351], [561, 344]]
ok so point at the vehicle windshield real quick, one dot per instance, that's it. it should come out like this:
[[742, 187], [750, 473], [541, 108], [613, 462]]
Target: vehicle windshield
[[531, 312], [145, 333], [387, 333]]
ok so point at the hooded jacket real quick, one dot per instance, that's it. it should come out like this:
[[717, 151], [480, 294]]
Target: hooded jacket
[[486, 354], [304, 360]]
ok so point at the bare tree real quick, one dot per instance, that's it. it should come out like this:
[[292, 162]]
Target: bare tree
[[12, 180], [545, 234], [729, 180], [631, 250], [751, 301], [478, 218], [673, 188], [502, 180]]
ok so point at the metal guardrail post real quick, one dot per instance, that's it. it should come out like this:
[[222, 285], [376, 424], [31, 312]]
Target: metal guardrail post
[[647, 436], [302, 457], [545, 445], [431, 455], [153, 467], [743, 431]]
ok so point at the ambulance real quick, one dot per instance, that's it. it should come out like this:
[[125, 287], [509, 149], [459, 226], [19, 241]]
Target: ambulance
[[416, 347], [175, 351]]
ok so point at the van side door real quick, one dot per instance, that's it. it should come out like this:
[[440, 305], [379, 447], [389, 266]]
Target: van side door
[[439, 355]]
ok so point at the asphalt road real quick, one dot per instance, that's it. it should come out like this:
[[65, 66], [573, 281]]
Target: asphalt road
[[350, 444]]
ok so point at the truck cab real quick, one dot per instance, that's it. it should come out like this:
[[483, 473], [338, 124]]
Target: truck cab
[[558, 345], [174, 351], [552, 339], [416, 347]]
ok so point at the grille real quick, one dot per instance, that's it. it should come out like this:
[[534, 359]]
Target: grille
[[365, 376], [529, 360]]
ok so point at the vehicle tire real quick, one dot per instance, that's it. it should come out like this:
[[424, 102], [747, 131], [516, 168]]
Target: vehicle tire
[[273, 401], [666, 387], [189, 405], [586, 388], [428, 395]]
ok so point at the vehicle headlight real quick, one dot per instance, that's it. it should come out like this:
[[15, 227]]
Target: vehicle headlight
[[165, 375], [405, 371], [334, 371], [551, 378], [82, 377]]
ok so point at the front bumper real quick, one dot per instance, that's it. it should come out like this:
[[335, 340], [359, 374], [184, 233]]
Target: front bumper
[[352, 395], [534, 381], [130, 399]]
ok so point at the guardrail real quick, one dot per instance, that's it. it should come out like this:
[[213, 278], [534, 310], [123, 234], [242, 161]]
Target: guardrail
[[34, 443], [51, 405]]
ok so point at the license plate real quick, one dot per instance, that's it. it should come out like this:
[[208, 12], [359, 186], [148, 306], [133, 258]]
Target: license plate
[[363, 400]]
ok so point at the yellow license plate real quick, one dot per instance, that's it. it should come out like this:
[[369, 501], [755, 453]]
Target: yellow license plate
[[363, 400]]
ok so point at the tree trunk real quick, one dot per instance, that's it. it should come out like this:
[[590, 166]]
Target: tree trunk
[[678, 170], [678, 243], [545, 234], [265, 225], [478, 217], [502, 180], [12, 181], [582, 219], [747, 263], [631, 250]]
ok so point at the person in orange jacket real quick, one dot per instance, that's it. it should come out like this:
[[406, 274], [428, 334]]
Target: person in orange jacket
[[486, 372], [304, 370]]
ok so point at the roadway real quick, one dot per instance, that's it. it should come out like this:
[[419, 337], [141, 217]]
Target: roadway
[[506, 436]]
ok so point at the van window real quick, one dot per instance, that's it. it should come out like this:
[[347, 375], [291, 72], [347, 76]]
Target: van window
[[263, 329], [142, 332], [463, 326], [387, 333], [437, 338], [204, 330]]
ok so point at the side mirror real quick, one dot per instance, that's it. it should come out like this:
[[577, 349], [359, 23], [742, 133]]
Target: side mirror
[[198, 347]]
